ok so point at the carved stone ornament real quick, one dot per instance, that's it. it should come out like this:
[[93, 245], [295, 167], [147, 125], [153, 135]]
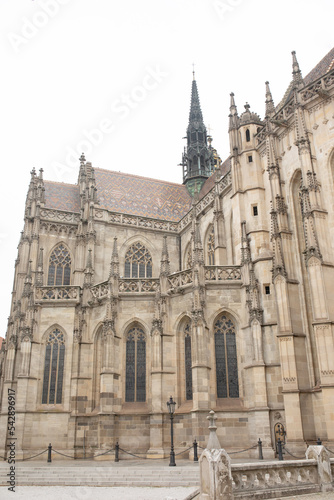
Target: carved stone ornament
[[26, 334], [108, 328], [77, 336], [156, 327]]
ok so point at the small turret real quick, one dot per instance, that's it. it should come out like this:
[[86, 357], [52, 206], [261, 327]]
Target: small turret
[[249, 125]]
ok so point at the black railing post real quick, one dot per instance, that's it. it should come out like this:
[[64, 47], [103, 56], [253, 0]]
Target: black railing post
[[319, 443], [117, 452], [49, 453], [279, 449], [259, 443], [195, 451]]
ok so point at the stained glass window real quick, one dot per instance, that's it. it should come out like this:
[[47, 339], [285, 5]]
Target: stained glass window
[[226, 358], [187, 356], [135, 377], [211, 247], [138, 262], [53, 368], [59, 267]]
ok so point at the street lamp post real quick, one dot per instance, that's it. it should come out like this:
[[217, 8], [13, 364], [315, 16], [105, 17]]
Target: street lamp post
[[171, 408]]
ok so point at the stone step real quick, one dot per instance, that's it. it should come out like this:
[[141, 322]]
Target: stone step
[[102, 476]]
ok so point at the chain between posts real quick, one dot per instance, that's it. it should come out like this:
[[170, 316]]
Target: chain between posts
[[195, 445]]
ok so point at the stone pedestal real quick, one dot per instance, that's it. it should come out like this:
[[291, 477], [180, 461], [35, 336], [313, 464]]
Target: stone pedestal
[[215, 468], [321, 455], [215, 475]]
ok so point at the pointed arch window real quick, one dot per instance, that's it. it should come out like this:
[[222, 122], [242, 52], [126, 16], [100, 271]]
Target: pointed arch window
[[59, 267], [135, 378], [226, 358], [247, 135], [211, 247], [187, 360], [53, 368], [138, 262]]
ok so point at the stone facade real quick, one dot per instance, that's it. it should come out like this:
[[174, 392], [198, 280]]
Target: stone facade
[[218, 292]]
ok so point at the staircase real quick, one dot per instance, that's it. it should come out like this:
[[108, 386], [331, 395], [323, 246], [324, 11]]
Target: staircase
[[55, 474]]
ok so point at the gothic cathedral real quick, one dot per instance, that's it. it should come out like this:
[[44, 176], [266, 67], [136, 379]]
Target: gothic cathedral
[[218, 292]]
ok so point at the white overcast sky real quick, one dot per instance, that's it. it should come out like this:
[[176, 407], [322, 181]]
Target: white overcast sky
[[70, 67]]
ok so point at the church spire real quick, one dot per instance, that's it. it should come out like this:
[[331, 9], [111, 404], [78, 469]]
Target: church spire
[[197, 160]]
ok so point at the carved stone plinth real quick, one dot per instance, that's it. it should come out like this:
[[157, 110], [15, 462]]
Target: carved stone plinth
[[215, 475], [321, 455]]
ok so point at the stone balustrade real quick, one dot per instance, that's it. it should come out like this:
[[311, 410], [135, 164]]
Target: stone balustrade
[[222, 273], [53, 293], [100, 290], [180, 278], [298, 476], [128, 285]]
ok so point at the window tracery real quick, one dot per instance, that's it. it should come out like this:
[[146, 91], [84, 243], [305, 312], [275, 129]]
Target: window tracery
[[138, 262], [53, 368], [59, 267], [226, 358], [135, 378], [188, 363]]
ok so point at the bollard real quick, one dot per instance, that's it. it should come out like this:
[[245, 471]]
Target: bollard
[[259, 443], [279, 449], [195, 451], [49, 453], [117, 452], [319, 442]]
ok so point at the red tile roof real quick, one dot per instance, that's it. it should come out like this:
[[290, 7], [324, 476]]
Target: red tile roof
[[61, 196], [132, 194], [326, 64], [124, 193]]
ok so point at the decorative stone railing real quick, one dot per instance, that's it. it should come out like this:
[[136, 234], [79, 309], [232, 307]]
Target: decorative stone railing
[[223, 183], [222, 273], [135, 221], [100, 290], [318, 88], [53, 293], [296, 475], [129, 285], [179, 279], [59, 215]]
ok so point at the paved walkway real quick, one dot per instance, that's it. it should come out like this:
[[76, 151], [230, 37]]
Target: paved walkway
[[86, 493], [313, 496]]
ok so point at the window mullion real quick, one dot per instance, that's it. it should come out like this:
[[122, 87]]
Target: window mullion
[[226, 365]]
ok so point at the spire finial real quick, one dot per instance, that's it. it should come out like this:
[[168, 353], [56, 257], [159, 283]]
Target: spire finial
[[270, 107], [296, 73], [193, 71]]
